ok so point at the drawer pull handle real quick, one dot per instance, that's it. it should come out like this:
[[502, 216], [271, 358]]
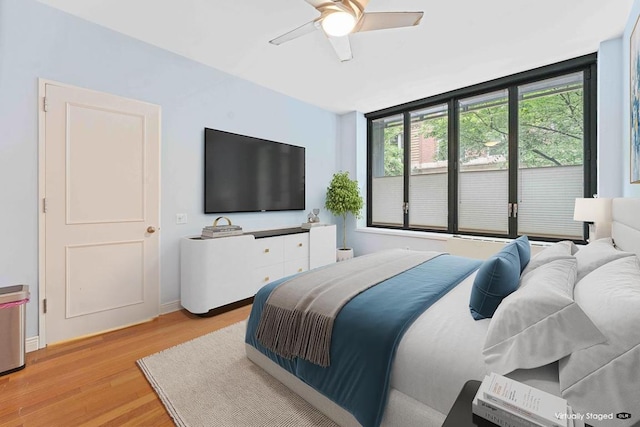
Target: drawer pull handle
[[299, 245], [300, 269], [266, 251], [266, 279]]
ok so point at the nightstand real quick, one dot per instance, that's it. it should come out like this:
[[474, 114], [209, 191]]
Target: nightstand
[[460, 414]]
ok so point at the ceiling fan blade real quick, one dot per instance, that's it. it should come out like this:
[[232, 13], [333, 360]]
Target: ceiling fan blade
[[383, 20], [342, 46], [318, 3], [361, 3], [307, 28]]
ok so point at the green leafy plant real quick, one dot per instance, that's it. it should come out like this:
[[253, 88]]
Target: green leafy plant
[[343, 197]]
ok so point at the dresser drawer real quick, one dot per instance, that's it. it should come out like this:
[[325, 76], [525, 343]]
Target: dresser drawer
[[268, 274], [268, 251], [296, 246], [296, 266]]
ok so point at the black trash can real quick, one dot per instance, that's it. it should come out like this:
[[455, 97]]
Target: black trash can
[[13, 320]]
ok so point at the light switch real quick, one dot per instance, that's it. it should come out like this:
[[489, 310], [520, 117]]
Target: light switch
[[181, 218]]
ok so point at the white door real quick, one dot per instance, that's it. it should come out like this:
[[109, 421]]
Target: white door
[[102, 185]]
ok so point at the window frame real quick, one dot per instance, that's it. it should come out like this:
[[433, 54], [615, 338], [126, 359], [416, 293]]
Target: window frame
[[586, 64]]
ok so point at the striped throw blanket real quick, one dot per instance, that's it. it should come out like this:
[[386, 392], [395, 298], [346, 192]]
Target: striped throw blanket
[[298, 317]]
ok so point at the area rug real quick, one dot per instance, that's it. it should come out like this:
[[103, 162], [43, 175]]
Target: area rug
[[210, 382]]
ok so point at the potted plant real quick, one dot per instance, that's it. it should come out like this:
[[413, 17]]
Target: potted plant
[[343, 197]]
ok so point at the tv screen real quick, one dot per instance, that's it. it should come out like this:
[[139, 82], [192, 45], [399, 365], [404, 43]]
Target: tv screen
[[245, 174]]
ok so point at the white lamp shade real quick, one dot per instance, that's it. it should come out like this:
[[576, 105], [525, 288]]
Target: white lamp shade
[[592, 210]]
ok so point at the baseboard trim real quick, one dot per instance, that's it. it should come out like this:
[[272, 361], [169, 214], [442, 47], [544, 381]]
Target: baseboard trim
[[170, 307], [226, 307], [32, 344]]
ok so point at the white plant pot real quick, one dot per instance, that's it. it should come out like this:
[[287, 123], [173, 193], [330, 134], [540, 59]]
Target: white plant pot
[[344, 254]]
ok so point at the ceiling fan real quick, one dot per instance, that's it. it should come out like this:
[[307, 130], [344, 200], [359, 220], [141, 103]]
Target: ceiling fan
[[339, 18]]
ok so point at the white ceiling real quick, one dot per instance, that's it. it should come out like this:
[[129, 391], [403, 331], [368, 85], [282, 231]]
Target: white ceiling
[[458, 43]]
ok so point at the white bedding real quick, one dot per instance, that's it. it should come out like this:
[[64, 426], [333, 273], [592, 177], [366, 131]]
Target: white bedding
[[443, 349], [437, 355], [445, 335]]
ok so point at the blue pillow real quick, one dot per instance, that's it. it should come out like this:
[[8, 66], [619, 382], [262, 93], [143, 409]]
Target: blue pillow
[[524, 250], [497, 277]]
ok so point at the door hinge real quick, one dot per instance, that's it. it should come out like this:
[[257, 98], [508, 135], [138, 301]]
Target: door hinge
[[45, 205], [405, 207], [515, 210], [509, 210], [44, 306], [45, 105]]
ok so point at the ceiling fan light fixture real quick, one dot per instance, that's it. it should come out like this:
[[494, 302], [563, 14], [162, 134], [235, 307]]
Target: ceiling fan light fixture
[[338, 23], [339, 18]]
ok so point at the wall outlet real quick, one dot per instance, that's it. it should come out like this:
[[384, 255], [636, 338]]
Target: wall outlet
[[181, 218]]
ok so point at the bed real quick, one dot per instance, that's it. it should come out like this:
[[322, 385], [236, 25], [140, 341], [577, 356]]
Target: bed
[[445, 346]]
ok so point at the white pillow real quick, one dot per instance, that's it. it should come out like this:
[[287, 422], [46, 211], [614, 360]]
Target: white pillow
[[596, 254], [605, 378], [564, 249], [539, 323]]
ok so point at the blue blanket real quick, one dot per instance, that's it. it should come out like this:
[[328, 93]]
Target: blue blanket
[[366, 334]]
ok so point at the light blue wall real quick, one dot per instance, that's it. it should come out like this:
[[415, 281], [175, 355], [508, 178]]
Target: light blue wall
[[629, 190], [352, 157], [37, 41], [610, 113], [40, 42]]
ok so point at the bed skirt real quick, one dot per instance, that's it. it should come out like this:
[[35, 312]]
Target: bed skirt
[[401, 410]]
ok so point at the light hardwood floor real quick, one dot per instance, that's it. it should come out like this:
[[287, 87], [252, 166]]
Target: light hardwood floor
[[95, 381]]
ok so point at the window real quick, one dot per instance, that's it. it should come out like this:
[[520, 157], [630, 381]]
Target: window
[[550, 155], [483, 180], [503, 158], [428, 178], [388, 171]]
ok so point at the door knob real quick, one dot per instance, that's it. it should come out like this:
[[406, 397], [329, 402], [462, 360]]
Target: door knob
[[151, 229]]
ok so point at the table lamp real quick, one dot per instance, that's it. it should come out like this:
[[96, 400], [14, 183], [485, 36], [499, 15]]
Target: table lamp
[[596, 212]]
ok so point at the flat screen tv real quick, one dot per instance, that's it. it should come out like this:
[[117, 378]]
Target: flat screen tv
[[245, 174]]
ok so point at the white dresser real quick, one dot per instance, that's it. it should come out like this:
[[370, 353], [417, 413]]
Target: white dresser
[[225, 270]]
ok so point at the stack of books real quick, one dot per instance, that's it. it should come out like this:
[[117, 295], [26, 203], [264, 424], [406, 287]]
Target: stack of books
[[212, 232], [509, 403]]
